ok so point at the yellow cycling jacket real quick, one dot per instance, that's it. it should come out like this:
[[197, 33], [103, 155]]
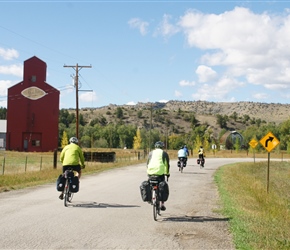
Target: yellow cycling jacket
[[72, 155], [158, 162]]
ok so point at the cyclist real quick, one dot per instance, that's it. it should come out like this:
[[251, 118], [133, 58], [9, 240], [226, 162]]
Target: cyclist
[[181, 154], [201, 153], [158, 164], [186, 150], [72, 156]]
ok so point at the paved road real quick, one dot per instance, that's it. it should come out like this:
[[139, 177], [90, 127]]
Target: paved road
[[108, 213]]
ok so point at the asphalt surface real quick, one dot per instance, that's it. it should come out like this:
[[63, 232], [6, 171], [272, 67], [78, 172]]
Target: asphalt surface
[[108, 213]]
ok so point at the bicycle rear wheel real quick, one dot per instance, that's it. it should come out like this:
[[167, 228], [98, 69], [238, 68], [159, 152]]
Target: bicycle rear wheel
[[66, 193], [154, 203]]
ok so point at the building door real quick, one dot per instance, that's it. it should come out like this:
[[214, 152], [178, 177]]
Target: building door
[[25, 144]]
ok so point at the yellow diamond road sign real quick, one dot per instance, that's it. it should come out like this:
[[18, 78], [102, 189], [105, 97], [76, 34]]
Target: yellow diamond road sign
[[269, 141], [253, 143]]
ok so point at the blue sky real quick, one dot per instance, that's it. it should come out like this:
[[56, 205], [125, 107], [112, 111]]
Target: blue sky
[[149, 51]]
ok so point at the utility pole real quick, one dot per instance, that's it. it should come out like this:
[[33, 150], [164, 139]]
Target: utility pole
[[77, 68]]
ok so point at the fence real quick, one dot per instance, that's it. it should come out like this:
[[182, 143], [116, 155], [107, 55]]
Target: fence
[[12, 162]]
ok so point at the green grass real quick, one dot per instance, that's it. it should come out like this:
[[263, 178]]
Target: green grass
[[258, 219]]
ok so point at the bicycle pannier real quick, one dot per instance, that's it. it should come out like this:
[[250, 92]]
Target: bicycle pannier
[[145, 191], [60, 182], [74, 185], [163, 191]]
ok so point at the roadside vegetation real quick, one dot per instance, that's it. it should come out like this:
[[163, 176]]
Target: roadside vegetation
[[258, 219]]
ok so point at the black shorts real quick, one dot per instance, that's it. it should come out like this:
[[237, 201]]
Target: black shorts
[[74, 168], [159, 177]]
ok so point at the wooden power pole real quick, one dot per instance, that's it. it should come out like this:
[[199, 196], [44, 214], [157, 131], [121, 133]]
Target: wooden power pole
[[77, 68]]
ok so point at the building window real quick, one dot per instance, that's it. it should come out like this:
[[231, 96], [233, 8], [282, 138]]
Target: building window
[[35, 143], [33, 78]]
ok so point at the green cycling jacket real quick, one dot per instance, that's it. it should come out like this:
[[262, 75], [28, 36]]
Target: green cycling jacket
[[158, 162], [72, 155]]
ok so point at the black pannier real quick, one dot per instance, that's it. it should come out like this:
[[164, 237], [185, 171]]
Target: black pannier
[[74, 185], [163, 191], [145, 191], [60, 182]]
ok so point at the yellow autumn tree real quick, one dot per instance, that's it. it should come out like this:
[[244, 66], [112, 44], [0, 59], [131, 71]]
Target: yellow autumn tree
[[137, 140], [64, 139]]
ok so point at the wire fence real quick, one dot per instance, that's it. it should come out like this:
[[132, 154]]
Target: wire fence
[[12, 162]]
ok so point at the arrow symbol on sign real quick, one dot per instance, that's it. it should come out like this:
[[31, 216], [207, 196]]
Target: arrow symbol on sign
[[269, 139]]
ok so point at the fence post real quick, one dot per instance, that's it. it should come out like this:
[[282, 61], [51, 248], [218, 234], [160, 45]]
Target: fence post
[[3, 167], [40, 162], [25, 164], [55, 158]]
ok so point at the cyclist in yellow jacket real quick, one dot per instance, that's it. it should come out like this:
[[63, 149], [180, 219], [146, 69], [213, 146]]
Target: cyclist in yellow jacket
[[72, 156], [158, 164]]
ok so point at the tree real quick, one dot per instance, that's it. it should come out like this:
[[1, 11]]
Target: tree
[[137, 140], [222, 120], [119, 113], [64, 140]]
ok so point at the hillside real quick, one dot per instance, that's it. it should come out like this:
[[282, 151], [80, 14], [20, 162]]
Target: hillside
[[175, 116]]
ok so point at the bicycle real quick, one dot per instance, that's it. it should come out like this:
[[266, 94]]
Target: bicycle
[[181, 163], [68, 195], [156, 203], [201, 161]]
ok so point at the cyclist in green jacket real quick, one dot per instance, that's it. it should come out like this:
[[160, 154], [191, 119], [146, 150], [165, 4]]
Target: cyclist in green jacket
[[72, 156], [158, 164]]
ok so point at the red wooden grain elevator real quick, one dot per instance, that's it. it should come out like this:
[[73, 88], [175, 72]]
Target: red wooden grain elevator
[[32, 111]]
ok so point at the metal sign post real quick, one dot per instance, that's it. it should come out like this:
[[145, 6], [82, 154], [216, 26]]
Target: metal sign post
[[269, 142]]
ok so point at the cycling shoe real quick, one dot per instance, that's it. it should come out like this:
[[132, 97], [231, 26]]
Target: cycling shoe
[[163, 208]]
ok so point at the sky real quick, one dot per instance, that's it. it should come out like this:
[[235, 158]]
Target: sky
[[150, 51]]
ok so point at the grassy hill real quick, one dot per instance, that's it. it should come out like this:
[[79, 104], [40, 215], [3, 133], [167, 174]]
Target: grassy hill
[[176, 116]]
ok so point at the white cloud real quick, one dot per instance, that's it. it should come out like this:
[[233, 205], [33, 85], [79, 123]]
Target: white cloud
[[165, 28], [261, 96], [4, 85], [205, 74], [88, 97], [219, 91], [163, 101], [3, 104], [186, 83], [137, 23], [242, 44], [131, 103], [14, 69], [8, 54]]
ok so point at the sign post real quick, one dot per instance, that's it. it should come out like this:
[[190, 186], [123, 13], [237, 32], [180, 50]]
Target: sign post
[[253, 143], [269, 142]]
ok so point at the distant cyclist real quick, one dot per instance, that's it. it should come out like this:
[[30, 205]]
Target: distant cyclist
[[201, 153], [186, 150], [158, 164], [72, 157], [181, 154]]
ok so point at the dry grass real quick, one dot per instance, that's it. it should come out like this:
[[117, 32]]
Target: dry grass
[[259, 220]]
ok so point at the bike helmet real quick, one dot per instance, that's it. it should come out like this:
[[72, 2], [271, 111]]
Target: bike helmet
[[74, 140], [159, 144]]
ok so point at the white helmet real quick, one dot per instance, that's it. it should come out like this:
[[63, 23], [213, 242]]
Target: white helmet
[[74, 140]]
